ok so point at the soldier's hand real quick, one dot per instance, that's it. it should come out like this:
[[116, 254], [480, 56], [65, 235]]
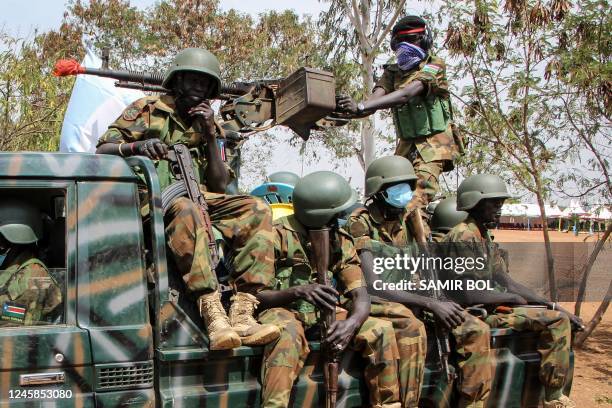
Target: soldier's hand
[[152, 148], [340, 333], [448, 313], [324, 297], [346, 104], [204, 115]]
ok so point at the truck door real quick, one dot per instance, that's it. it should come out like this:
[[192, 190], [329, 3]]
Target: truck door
[[44, 355]]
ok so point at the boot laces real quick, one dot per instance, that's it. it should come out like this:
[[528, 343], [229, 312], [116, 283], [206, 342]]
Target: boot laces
[[215, 314]]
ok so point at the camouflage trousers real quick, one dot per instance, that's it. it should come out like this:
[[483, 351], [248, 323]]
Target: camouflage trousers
[[554, 343], [428, 174], [411, 341], [472, 340], [245, 223], [284, 359]]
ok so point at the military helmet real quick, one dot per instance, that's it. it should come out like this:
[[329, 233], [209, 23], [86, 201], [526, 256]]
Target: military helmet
[[412, 27], [285, 177], [320, 196], [478, 187], [446, 216], [20, 222], [195, 60], [387, 170]]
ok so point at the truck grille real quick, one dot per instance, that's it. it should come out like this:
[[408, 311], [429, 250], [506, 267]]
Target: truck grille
[[122, 376]]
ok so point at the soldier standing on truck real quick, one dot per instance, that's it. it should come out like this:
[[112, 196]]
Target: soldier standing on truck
[[146, 128], [28, 293], [482, 196], [296, 298], [389, 183], [416, 90]]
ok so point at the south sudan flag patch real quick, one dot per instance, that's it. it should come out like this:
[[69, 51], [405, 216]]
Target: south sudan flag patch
[[13, 312], [432, 69]]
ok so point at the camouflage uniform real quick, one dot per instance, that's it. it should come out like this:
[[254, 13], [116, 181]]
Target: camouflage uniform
[[28, 293], [283, 360], [472, 337], [553, 326], [246, 222], [433, 154]]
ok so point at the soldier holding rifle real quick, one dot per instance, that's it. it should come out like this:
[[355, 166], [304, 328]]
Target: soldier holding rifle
[[147, 128], [298, 300]]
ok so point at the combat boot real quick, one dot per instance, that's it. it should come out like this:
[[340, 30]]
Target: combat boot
[[241, 317], [561, 402], [221, 335]]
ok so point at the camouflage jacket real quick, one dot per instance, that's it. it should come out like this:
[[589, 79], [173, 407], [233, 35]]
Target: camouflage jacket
[[293, 262], [156, 117], [366, 224], [468, 239], [28, 293], [432, 73]]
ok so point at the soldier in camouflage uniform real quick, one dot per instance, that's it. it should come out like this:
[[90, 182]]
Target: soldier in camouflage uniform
[[318, 200], [147, 127], [482, 197], [28, 293], [416, 90], [384, 221]]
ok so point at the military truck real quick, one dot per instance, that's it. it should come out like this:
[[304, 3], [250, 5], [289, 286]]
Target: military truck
[[127, 336]]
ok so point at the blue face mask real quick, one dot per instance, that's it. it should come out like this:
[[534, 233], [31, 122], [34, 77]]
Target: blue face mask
[[3, 256], [409, 56], [399, 195]]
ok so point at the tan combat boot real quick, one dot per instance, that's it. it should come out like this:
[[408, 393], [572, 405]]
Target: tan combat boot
[[562, 402], [221, 335], [241, 317]]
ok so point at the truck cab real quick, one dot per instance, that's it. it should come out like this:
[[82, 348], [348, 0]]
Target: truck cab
[[126, 335]]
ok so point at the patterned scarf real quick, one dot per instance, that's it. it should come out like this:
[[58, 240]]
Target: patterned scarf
[[409, 55]]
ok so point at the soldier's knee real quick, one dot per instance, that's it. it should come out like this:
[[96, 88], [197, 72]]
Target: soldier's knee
[[183, 207]]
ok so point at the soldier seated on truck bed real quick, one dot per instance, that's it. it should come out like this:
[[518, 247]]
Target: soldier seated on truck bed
[[296, 299], [482, 196], [146, 128], [28, 293], [386, 221]]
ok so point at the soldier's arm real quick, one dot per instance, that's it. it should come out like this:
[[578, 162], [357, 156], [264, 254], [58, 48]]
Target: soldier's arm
[[395, 98]]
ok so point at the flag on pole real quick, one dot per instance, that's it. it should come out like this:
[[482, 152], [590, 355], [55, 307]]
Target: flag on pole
[[94, 104]]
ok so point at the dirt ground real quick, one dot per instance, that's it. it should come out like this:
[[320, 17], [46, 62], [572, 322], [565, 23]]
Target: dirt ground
[[592, 383]]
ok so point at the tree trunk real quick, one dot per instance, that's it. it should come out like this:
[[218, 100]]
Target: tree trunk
[[586, 270], [550, 260], [581, 337], [367, 126]]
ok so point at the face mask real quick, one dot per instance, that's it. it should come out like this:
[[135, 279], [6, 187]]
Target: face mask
[[399, 195], [409, 56]]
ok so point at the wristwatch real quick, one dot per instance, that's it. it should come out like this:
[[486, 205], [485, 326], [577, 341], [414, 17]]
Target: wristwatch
[[360, 107]]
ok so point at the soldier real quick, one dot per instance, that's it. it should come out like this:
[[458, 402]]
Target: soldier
[[318, 199], [28, 293], [482, 197], [445, 217], [389, 183], [147, 127], [416, 90]]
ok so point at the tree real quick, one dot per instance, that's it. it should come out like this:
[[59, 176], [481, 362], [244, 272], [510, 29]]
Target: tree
[[354, 32]]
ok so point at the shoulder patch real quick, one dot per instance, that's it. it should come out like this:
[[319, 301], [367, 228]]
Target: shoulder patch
[[432, 68], [131, 112], [357, 228], [13, 312]]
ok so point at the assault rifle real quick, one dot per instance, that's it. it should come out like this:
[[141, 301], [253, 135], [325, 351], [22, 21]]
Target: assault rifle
[[303, 101], [319, 240], [182, 169], [442, 340]]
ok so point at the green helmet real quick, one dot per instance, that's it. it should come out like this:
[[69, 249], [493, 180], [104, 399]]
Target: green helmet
[[446, 216], [320, 196], [478, 187], [194, 60], [20, 222], [388, 170], [285, 177]]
